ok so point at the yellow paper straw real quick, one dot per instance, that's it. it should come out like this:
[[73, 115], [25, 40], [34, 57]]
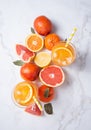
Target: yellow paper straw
[[37, 102], [71, 36]]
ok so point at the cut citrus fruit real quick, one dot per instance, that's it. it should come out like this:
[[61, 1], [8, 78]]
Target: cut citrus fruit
[[33, 109], [23, 93], [34, 42], [24, 54], [42, 59], [51, 40], [42, 25], [62, 55], [52, 76]]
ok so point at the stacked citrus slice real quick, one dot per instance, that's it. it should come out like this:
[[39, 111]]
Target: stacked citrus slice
[[62, 55], [23, 93]]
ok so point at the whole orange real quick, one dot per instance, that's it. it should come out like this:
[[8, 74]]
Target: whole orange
[[42, 25], [45, 93], [29, 71], [51, 40]]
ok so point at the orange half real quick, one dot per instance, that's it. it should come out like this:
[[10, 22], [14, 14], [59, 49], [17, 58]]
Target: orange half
[[34, 42]]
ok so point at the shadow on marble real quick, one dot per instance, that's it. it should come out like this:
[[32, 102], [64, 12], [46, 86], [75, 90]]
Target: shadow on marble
[[68, 78], [81, 61], [55, 28], [67, 85]]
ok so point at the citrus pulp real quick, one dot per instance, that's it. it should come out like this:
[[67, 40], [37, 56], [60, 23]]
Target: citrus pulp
[[42, 59], [34, 42], [52, 76], [62, 55], [23, 93], [25, 54]]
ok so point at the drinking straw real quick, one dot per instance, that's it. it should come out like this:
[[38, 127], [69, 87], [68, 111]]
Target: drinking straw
[[37, 102], [70, 37]]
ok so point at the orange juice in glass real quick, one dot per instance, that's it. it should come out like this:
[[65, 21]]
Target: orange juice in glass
[[24, 92], [63, 55]]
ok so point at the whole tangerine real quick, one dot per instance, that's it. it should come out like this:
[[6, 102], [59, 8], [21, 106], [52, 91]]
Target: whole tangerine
[[51, 40], [42, 25]]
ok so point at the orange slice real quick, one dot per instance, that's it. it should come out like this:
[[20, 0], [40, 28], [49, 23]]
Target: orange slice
[[34, 42], [23, 93], [62, 56], [42, 59]]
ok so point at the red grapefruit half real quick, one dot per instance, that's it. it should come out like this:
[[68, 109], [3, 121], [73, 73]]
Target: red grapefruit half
[[24, 54], [52, 76]]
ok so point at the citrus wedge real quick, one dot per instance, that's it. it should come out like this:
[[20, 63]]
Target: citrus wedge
[[25, 54], [42, 59], [34, 42], [33, 109]]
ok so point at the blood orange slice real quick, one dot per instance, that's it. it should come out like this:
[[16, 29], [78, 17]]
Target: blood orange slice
[[52, 76], [24, 54]]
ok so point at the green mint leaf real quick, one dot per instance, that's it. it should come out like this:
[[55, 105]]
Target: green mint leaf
[[32, 30], [48, 108], [18, 62], [46, 93]]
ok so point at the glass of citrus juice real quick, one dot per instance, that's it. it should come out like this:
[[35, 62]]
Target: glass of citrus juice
[[63, 55], [24, 92]]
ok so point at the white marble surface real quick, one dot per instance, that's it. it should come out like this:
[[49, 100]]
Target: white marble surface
[[72, 105]]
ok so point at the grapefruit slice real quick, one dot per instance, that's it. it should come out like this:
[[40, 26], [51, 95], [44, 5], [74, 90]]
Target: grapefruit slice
[[52, 76], [34, 42], [42, 59], [33, 109], [24, 54]]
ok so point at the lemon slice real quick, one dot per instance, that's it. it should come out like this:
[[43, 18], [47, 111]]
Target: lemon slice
[[42, 59]]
